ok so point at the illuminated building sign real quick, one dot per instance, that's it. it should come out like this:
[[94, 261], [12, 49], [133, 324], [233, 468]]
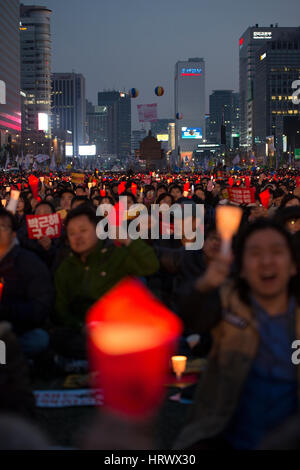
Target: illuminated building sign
[[191, 72], [263, 56], [43, 122], [87, 150], [262, 35], [162, 137], [241, 42], [191, 133], [69, 150]]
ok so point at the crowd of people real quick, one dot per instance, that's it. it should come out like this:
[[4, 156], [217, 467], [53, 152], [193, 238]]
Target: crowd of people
[[240, 310]]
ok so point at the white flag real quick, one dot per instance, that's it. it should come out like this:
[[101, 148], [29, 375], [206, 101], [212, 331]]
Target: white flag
[[53, 163], [27, 161], [236, 159], [7, 160]]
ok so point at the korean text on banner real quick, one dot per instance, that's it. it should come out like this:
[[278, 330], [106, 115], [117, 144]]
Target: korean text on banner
[[39, 226], [147, 112], [242, 195]]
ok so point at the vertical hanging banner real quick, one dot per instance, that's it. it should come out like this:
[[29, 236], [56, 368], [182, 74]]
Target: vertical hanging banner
[[147, 112]]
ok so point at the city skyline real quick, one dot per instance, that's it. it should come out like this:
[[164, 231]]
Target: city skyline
[[149, 41]]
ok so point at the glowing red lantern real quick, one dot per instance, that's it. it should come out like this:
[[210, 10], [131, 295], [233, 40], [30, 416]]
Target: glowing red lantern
[[34, 185], [134, 189], [131, 339], [265, 198], [230, 181]]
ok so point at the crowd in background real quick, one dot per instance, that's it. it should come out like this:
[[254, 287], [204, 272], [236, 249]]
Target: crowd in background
[[240, 311]]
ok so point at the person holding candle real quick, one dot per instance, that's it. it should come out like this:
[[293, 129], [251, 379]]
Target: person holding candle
[[250, 385]]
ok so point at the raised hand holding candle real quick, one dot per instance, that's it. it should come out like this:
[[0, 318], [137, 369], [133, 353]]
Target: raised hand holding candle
[[228, 219], [13, 202]]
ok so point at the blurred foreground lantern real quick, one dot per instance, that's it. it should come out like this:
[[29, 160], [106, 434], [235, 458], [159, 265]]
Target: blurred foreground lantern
[[179, 365], [131, 339], [228, 219]]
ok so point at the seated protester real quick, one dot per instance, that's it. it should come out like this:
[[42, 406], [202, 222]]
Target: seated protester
[[250, 384], [28, 293], [79, 200], [23, 209], [66, 197], [199, 195], [176, 191], [289, 200], [289, 218], [149, 195], [161, 189], [46, 248], [15, 391], [80, 191], [93, 268]]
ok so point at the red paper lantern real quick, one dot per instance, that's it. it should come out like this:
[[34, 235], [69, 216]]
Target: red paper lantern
[[247, 182], [134, 189], [121, 187], [132, 337], [230, 181], [34, 185], [265, 198]]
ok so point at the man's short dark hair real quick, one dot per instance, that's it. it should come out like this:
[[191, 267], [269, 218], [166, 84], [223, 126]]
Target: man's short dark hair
[[80, 211], [11, 217]]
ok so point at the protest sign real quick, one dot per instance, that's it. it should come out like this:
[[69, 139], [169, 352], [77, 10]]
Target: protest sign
[[39, 226]]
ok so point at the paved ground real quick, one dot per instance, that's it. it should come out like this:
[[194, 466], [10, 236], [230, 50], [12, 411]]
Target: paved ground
[[65, 426]]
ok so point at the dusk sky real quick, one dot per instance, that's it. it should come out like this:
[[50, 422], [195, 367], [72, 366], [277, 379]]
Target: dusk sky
[[120, 44]]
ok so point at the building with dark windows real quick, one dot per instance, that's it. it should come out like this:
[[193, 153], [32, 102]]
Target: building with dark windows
[[68, 106], [136, 139], [119, 121], [10, 99], [189, 87], [276, 112], [249, 43], [97, 127], [221, 110], [36, 65]]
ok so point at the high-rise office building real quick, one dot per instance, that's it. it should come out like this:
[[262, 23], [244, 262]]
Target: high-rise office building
[[250, 42], [36, 65], [276, 115], [221, 113], [10, 100], [97, 127], [136, 138], [119, 121], [189, 105], [236, 122], [68, 106]]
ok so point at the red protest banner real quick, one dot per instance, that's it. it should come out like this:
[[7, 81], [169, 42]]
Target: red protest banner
[[242, 195], [39, 226]]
